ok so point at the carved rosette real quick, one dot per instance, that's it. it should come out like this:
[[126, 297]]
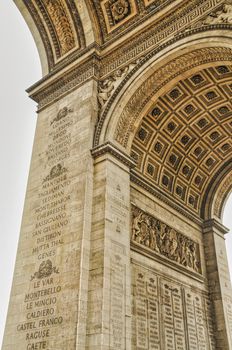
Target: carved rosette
[[120, 9], [163, 240], [117, 12]]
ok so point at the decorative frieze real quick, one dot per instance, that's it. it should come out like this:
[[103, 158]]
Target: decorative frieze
[[162, 31], [119, 65], [163, 240]]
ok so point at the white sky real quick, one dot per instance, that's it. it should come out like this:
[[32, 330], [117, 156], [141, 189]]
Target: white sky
[[19, 69]]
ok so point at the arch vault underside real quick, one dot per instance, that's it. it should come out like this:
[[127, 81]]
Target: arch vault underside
[[122, 243]]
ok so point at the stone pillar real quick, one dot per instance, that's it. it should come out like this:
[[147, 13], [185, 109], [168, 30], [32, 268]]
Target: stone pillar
[[219, 282], [48, 303], [109, 310]]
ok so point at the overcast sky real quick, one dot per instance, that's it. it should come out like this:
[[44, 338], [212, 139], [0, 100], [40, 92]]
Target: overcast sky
[[20, 68]]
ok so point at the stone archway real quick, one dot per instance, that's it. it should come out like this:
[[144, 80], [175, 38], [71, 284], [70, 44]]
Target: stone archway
[[151, 116], [114, 235], [163, 172]]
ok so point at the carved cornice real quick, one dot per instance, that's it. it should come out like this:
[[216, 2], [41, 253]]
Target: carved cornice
[[52, 88], [142, 250], [76, 58], [109, 148], [213, 225]]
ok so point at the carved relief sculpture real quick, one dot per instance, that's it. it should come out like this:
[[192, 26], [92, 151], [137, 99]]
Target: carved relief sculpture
[[46, 269], [61, 114], [164, 240], [109, 85], [222, 16], [55, 171], [134, 106], [62, 25]]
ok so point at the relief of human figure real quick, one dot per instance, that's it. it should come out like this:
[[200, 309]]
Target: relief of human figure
[[183, 259], [173, 244], [165, 239], [188, 254], [195, 263], [105, 90], [154, 236], [136, 225], [147, 238], [222, 16], [144, 232]]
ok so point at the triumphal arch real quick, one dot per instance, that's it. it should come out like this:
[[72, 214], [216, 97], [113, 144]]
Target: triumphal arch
[[122, 244]]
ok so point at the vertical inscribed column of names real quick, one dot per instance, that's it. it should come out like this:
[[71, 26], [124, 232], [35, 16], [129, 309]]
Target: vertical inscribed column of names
[[153, 312], [146, 319], [196, 321], [172, 311], [209, 321], [47, 288], [141, 312], [117, 303]]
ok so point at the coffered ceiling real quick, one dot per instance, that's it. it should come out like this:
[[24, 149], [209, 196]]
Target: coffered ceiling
[[186, 137]]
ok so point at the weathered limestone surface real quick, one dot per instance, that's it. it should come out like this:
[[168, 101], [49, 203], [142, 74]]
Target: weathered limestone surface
[[109, 313], [219, 282], [122, 243], [49, 295]]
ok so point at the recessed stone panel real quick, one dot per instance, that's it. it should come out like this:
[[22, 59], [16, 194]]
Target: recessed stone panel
[[168, 314]]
